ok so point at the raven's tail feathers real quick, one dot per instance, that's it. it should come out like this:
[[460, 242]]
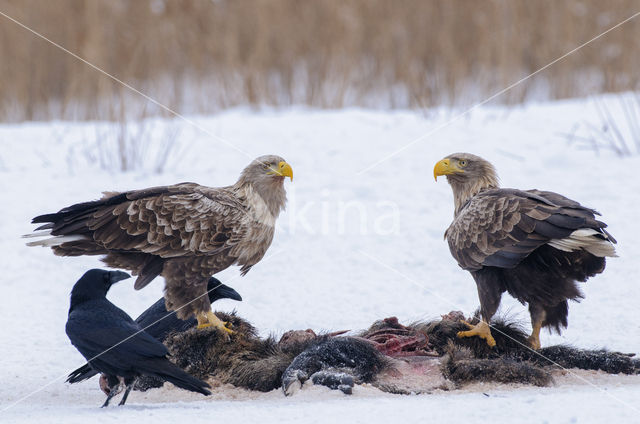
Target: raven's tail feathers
[[179, 378], [83, 373]]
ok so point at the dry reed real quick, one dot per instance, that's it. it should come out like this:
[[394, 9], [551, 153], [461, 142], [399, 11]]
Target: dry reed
[[199, 56]]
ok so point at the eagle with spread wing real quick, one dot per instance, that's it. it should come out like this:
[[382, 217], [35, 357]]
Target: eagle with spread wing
[[184, 232], [535, 245]]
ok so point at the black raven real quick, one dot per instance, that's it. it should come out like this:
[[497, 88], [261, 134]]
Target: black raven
[[158, 322], [113, 343]]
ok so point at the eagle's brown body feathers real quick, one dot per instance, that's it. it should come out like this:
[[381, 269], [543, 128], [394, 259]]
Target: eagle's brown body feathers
[[184, 232], [501, 227]]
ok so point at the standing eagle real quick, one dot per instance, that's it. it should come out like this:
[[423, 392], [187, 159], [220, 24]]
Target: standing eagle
[[533, 244], [184, 232]]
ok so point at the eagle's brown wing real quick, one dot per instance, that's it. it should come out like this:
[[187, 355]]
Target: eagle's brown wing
[[182, 220], [501, 227], [172, 224]]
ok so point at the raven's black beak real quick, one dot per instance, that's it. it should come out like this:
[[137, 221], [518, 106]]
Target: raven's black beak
[[226, 292], [115, 276]]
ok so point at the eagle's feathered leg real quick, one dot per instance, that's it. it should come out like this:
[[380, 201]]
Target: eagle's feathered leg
[[208, 319], [481, 330], [538, 315], [489, 294]]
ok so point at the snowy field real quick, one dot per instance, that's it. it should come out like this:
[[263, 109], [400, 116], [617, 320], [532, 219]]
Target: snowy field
[[352, 247]]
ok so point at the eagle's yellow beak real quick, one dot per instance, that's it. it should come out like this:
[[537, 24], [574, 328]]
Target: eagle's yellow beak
[[284, 170], [444, 167]]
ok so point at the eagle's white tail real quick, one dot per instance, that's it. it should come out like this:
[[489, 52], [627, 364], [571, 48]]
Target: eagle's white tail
[[40, 233], [587, 239], [51, 241]]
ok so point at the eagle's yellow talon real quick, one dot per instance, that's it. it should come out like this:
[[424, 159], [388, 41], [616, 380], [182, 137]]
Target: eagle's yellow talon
[[534, 342], [481, 330], [534, 338], [467, 324], [209, 319]]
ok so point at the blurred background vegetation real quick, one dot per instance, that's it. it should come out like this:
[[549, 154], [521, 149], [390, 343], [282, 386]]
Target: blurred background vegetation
[[200, 56]]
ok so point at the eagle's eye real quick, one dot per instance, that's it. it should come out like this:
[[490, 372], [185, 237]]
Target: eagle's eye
[[462, 162]]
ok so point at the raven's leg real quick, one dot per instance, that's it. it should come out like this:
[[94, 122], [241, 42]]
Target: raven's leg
[[111, 394], [538, 316], [112, 382], [129, 382], [208, 319]]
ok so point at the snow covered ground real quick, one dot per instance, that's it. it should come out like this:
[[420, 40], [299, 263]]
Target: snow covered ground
[[352, 247]]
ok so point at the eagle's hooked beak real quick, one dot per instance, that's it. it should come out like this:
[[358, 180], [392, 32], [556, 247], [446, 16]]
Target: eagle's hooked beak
[[444, 167], [284, 170]]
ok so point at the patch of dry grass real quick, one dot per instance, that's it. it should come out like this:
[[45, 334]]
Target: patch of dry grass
[[200, 56]]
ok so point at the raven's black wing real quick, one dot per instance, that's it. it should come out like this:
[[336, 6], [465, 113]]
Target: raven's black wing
[[100, 328], [159, 322]]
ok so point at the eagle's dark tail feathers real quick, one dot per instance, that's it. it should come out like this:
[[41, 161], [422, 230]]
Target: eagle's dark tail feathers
[[557, 316], [77, 221], [70, 220]]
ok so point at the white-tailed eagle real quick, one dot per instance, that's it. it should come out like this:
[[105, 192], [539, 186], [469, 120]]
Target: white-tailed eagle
[[533, 244], [184, 232]]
